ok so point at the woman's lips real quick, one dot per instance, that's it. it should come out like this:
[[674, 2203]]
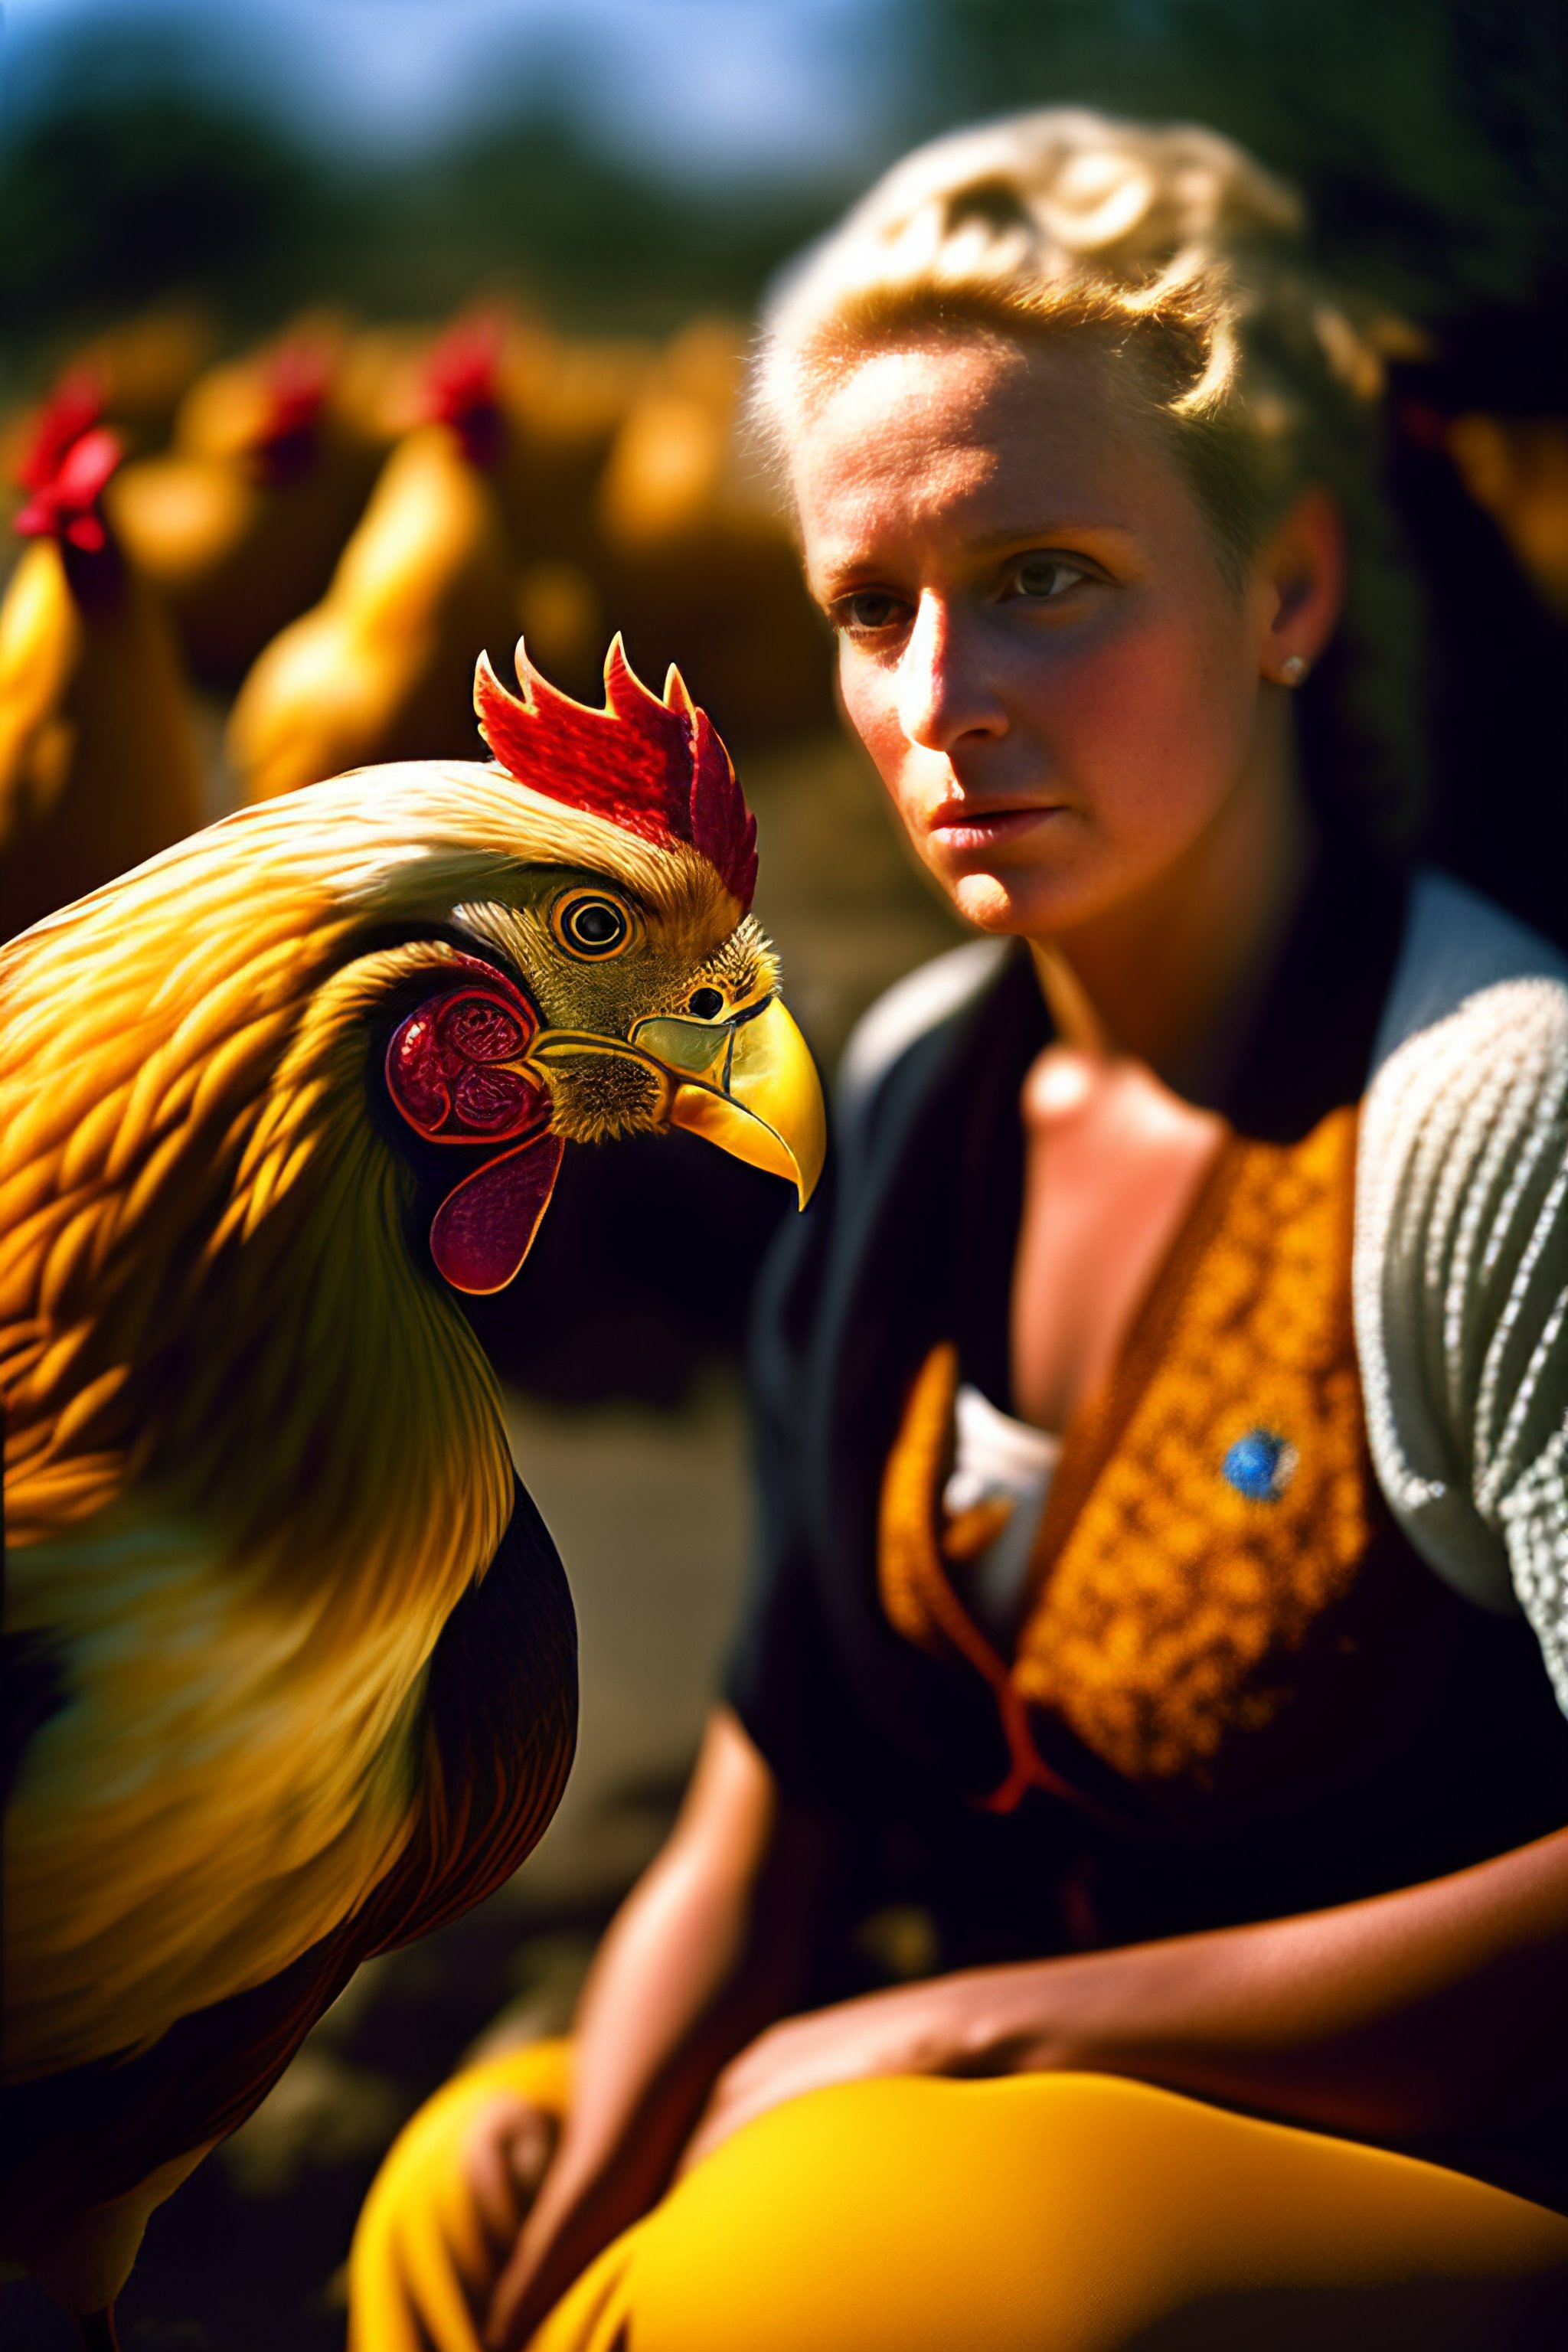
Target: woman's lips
[[966, 827]]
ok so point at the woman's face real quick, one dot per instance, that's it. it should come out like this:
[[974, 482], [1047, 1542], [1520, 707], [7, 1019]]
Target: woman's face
[[1061, 689]]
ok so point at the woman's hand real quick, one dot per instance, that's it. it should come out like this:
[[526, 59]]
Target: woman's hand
[[944, 2026], [1436, 2009], [708, 1946], [444, 2215], [502, 2167], [948, 2025]]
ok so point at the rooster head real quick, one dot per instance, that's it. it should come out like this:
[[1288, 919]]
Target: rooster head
[[269, 1102], [622, 990]]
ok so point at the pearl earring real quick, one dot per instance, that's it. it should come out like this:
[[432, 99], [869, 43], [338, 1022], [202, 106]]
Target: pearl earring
[[1294, 669]]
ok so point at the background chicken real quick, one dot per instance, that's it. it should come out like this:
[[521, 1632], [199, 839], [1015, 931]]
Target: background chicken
[[692, 549], [98, 765], [289, 1652], [143, 366], [240, 522], [379, 669], [564, 400]]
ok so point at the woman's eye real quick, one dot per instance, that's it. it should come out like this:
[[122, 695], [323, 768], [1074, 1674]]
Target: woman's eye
[[865, 612], [1045, 576]]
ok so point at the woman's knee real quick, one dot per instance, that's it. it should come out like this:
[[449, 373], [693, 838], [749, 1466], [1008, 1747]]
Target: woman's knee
[[1055, 2213]]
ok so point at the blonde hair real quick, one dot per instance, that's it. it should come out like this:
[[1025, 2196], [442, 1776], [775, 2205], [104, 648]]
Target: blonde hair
[[1178, 255]]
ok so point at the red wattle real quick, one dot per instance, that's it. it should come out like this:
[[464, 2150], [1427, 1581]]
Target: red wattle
[[485, 1228]]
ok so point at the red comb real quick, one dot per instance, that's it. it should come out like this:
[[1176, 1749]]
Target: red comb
[[297, 378], [460, 387], [295, 383], [654, 768], [71, 459]]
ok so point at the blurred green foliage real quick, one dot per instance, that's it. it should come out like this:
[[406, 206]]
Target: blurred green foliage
[[1429, 136], [135, 173], [111, 196], [604, 241]]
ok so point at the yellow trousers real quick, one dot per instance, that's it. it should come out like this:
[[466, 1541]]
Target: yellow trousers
[[1033, 2213]]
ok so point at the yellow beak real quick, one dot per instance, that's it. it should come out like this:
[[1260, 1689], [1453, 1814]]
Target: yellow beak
[[748, 1085]]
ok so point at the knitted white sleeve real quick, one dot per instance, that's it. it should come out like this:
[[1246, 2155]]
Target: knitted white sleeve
[[1461, 1297]]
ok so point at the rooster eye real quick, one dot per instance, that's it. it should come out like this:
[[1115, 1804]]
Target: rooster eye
[[587, 925], [707, 1003]]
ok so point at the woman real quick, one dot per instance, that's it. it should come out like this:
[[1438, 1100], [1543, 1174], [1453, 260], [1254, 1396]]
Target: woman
[[1165, 1532]]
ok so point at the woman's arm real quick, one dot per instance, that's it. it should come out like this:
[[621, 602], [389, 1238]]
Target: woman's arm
[[1438, 2009], [708, 1947]]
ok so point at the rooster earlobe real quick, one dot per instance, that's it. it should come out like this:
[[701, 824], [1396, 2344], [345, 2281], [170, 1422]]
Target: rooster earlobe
[[455, 1069]]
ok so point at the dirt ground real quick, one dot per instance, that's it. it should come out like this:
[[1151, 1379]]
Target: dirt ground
[[649, 1509]]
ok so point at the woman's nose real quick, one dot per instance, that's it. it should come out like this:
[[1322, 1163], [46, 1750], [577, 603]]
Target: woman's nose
[[943, 691]]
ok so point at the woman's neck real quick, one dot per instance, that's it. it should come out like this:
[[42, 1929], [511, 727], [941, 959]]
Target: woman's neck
[[1173, 977]]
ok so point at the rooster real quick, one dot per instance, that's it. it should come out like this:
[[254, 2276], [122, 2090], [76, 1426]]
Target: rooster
[[143, 365], [240, 523], [379, 669], [98, 765], [290, 1654]]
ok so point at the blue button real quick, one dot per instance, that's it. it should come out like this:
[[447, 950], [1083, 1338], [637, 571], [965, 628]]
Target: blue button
[[1260, 1465]]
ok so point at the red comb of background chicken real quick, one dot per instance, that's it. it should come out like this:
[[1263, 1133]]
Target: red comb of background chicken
[[654, 768], [298, 376], [461, 388], [71, 459]]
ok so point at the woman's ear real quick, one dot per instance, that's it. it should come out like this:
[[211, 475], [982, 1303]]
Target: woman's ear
[[1302, 568]]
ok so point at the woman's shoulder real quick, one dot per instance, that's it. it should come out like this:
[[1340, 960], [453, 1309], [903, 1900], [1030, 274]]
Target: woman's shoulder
[[916, 1011], [1467, 1093], [1468, 1087], [1461, 1253], [1458, 950]]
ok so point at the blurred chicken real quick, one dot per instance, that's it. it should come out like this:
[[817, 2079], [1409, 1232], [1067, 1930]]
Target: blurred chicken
[[380, 669], [564, 402], [382, 383], [289, 1652], [561, 403], [1517, 468], [694, 551], [240, 522], [561, 400], [143, 366], [99, 766]]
